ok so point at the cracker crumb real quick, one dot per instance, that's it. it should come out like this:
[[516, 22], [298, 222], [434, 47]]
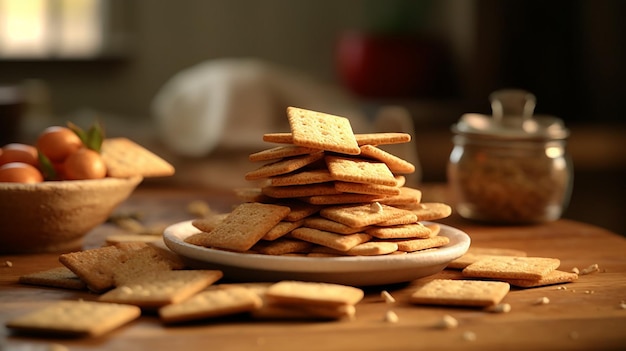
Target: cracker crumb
[[589, 291], [591, 269], [8, 263], [561, 287], [622, 305], [376, 207], [542, 301], [387, 297], [575, 270], [447, 322], [469, 336], [500, 308], [391, 317]]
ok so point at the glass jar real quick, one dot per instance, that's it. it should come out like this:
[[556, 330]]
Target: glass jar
[[511, 167]]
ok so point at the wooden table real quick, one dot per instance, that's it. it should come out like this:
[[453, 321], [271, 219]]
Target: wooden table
[[587, 315]]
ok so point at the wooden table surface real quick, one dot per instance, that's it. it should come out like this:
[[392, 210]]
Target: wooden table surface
[[587, 315]]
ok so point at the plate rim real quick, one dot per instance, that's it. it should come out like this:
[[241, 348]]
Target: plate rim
[[459, 244]]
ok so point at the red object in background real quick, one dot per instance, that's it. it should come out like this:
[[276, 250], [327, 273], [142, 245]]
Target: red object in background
[[388, 65]]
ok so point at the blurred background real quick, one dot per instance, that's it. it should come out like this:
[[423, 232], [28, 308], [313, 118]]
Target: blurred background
[[108, 59]]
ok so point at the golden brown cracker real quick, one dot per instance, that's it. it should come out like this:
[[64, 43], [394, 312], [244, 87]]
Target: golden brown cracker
[[59, 277], [296, 191], [75, 318], [210, 304], [460, 293], [341, 242], [382, 138], [283, 166], [278, 138], [125, 158], [280, 152], [160, 288], [243, 227], [282, 246], [359, 171], [338, 199], [313, 293], [554, 277], [393, 162], [364, 188], [302, 178], [325, 224], [361, 215], [373, 248], [512, 267], [281, 229], [322, 131], [414, 230], [412, 245], [407, 197]]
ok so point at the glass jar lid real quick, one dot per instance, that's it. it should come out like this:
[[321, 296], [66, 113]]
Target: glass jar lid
[[512, 118]]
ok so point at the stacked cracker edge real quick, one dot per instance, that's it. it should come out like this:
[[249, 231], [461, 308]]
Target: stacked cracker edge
[[343, 180]]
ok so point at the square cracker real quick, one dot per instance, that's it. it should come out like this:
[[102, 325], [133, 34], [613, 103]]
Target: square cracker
[[312, 293], [211, 303], [554, 277], [283, 166], [280, 152], [339, 199], [361, 215], [512, 267], [76, 318], [125, 158], [59, 277], [359, 171], [412, 245], [321, 223], [322, 131], [302, 178], [162, 288], [382, 138], [243, 227], [393, 162], [341, 242], [96, 267], [460, 292]]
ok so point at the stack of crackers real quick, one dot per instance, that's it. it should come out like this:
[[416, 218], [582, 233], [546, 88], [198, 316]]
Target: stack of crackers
[[326, 191]]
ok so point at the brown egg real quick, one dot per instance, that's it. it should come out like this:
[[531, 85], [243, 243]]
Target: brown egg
[[19, 172]]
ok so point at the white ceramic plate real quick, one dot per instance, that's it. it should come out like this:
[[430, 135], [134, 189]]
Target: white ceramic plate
[[351, 270]]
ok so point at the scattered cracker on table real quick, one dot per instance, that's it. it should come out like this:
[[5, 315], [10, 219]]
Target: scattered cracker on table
[[161, 288], [322, 131], [210, 304], [243, 227], [554, 277], [59, 277], [327, 294], [96, 267], [474, 254], [512, 267], [75, 318], [460, 292], [125, 158]]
